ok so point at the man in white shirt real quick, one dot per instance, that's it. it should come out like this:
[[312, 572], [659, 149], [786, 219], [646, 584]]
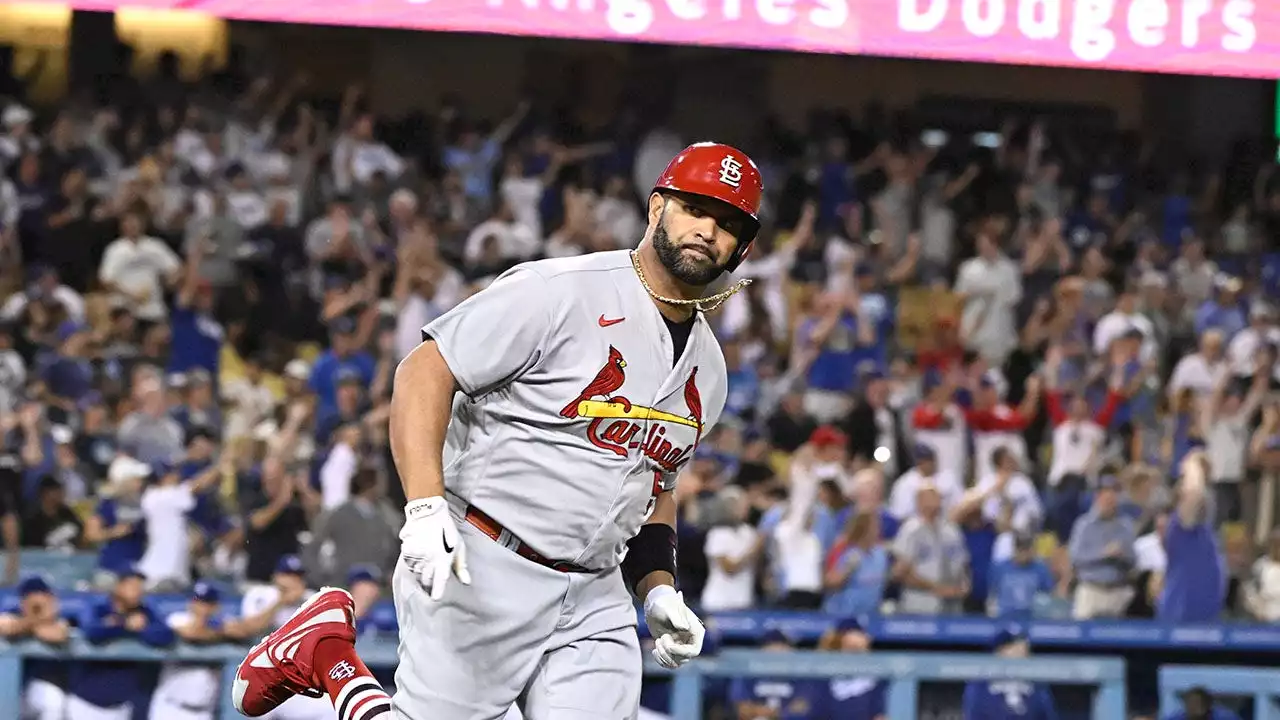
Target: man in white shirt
[[45, 286], [1007, 489], [991, 286], [1242, 351], [1122, 319], [1202, 370], [731, 550], [516, 242], [166, 562], [136, 268], [358, 156], [926, 473]]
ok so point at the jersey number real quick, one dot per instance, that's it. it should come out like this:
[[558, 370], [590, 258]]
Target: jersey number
[[653, 496]]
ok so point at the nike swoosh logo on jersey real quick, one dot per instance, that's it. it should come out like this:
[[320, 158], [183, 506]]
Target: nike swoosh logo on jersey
[[607, 323], [445, 539]]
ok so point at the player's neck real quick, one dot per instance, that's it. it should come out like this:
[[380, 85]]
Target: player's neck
[[661, 282]]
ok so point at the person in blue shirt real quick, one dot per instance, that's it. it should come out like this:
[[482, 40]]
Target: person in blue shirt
[[117, 525], [1009, 699], [68, 374], [1015, 583], [1194, 587], [39, 618], [113, 686], [877, 310], [857, 568], [1198, 704], [1224, 311], [838, 339], [345, 351], [349, 406], [198, 406], [851, 698], [196, 335], [764, 698], [364, 584]]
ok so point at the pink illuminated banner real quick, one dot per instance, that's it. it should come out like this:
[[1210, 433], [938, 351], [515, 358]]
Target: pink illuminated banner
[[1203, 37]]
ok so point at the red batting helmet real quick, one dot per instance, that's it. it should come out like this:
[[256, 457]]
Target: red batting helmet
[[723, 173]]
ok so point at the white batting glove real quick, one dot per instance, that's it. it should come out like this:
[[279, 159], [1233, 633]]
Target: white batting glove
[[431, 546], [677, 632]]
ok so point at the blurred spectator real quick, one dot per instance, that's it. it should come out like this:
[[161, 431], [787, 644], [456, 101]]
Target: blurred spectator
[[116, 526], [188, 690], [732, 550], [856, 568], [1199, 704], [364, 584], [1102, 556], [137, 268], [1194, 581], [991, 287], [166, 561], [930, 560], [1005, 699], [149, 433], [856, 697], [1262, 596], [39, 618], [927, 472], [1016, 582], [109, 689], [276, 514], [362, 531], [51, 524]]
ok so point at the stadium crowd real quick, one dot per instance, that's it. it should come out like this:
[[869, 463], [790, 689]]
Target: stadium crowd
[[1028, 377]]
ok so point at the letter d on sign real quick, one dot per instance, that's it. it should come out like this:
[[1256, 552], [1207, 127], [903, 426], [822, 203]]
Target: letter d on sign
[[912, 19]]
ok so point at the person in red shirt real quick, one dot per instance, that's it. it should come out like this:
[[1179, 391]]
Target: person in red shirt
[[996, 424]]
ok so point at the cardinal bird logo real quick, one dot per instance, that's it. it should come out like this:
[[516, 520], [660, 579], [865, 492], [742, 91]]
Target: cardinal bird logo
[[606, 382], [694, 400], [619, 426]]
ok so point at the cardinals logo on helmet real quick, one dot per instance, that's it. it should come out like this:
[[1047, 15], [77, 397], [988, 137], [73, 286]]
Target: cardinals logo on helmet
[[618, 425]]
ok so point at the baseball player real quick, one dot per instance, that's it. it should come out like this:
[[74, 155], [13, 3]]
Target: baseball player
[[187, 691], [538, 432]]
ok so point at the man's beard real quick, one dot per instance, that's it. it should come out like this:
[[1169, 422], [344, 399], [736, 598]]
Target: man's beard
[[672, 258]]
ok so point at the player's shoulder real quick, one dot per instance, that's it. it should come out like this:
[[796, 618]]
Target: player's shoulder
[[572, 269]]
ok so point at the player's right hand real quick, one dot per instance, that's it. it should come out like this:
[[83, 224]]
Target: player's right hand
[[431, 545]]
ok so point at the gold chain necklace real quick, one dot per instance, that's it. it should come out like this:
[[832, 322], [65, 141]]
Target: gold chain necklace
[[710, 303]]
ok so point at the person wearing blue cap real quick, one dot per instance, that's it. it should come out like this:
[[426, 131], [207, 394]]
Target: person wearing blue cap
[[761, 698], [1009, 699], [364, 582], [190, 691], [107, 690], [38, 617]]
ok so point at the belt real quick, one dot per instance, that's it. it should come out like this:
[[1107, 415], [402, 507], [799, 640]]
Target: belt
[[490, 527]]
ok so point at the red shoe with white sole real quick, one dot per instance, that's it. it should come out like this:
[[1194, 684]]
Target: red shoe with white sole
[[279, 667]]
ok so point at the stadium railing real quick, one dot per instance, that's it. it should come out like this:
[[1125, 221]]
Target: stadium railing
[[904, 671], [1259, 684]]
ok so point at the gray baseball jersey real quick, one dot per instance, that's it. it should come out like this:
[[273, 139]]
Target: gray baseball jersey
[[573, 418]]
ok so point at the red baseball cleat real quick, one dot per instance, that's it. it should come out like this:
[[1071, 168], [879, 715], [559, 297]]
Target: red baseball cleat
[[279, 667]]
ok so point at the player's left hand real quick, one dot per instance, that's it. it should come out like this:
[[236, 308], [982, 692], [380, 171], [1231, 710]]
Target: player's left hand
[[677, 632]]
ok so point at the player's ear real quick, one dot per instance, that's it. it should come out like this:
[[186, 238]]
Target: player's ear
[[656, 205]]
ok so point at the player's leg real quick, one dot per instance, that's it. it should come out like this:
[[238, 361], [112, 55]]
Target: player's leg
[[593, 679], [311, 655], [468, 655]]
